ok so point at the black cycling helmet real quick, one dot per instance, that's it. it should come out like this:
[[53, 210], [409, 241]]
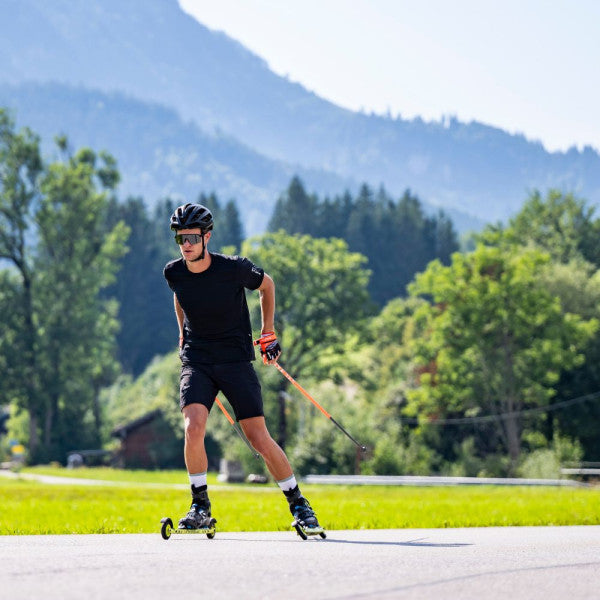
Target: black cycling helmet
[[191, 216]]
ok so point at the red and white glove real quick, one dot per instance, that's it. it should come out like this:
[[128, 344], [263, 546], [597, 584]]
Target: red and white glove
[[269, 346]]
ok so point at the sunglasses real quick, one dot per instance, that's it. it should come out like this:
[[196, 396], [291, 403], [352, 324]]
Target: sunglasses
[[192, 238]]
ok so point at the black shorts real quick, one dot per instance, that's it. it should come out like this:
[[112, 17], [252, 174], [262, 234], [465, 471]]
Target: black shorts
[[200, 384]]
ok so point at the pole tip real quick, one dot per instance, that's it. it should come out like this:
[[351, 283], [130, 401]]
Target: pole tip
[[363, 448]]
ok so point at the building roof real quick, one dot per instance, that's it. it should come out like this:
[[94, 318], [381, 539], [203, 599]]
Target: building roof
[[124, 430]]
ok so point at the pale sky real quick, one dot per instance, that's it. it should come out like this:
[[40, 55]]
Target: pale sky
[[527, 66]]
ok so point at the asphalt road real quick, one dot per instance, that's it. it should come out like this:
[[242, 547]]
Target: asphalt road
[[479, 563]]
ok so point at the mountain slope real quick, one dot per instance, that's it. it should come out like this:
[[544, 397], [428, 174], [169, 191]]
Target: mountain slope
[[158, 154], [154, 51]]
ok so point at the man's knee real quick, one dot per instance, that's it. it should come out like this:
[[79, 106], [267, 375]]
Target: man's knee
[[261, 441], [195, 421], [194, 430]]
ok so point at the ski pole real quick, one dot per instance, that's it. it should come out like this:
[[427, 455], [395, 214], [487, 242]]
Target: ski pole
[[305, 393], [237, 430]]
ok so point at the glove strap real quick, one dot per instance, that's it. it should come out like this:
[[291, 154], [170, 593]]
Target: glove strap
[[265, 338]]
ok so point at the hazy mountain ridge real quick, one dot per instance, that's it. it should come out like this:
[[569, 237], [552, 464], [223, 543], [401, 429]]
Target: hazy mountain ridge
[[158, 154], [155, 52]]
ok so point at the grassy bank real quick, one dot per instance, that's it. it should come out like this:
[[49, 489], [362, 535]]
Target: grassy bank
[[35, 508]]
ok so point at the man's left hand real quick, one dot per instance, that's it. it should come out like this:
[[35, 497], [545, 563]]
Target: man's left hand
[[269, 347]]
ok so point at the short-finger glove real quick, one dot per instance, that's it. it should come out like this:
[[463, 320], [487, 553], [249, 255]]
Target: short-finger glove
[[269, 346]]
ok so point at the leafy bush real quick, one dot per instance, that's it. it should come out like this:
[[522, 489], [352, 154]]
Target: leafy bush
[[545, 463], [392, 456]]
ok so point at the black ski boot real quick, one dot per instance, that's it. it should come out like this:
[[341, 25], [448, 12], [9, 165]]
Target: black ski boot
[[199, 516], [305, 521]]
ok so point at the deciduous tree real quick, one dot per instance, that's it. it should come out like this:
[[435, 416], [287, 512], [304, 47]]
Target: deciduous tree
[[495, 341], [321, 299], [53, 230], [20, 169]]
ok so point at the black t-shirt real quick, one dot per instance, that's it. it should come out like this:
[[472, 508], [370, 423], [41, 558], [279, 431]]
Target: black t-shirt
[[217, 323]]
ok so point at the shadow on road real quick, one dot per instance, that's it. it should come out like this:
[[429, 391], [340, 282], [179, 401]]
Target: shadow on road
[[417, 542], [414, 543]]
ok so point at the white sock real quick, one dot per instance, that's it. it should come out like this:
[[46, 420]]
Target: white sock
[[287, 484], [197, 479]]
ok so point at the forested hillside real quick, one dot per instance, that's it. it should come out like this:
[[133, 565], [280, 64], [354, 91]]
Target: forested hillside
[[486, 363], [487, 367], [396, 236], [155, 52]]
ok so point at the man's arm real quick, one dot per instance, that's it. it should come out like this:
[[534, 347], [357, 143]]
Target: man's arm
[[269, 345], [267, 304], [180, 316]]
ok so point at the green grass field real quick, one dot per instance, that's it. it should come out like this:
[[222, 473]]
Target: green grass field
[[135, 507]]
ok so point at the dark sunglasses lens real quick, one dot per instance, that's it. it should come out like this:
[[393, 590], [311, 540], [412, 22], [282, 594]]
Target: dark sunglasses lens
[[192, 238]]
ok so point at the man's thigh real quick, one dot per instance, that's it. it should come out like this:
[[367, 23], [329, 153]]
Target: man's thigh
[[196, 386]]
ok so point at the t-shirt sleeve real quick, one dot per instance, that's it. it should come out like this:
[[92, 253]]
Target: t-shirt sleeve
[[166, 273], [250, 275]]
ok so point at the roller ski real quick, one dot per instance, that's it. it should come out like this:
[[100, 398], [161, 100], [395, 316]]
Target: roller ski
[[305, 521], [198, 520]]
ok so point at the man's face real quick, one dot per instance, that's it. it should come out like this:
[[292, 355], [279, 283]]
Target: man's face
[[189, 250]]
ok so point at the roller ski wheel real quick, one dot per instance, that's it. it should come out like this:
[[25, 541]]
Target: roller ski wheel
[[167, 529], [305, 532]]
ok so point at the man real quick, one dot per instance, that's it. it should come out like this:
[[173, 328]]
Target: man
[[216, 350]]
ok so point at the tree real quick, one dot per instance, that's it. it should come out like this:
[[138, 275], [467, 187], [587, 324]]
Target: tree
[[321, 299], [564, 227], [13, 386], [20, 169], [228, 231], [560, 224], [396, 236], [164, 236], [76, 258], [332, 217], [145, 301], [495, 340], [362, 229], [53, 230], [229, 227], [577, 284], [295, 210]]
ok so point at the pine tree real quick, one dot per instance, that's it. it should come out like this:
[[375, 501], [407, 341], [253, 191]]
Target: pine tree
[[230, 228], [145, 301], [397, 237], [295, 211]]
